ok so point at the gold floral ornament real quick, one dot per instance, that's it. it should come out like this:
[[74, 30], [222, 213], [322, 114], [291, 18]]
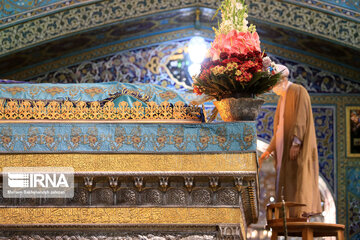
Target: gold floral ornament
[[165, 111], [54, 110], [95, 110], [151, 112], [109, 111], [137, 111], [124, 110], [25, 110], [179, 110], [11, 110], [81, 110]]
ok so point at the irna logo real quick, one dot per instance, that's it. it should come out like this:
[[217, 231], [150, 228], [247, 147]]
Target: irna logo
[[38, 182], [34, 180]]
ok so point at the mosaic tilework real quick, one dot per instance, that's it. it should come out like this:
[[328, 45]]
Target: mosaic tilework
[[62, 62], [316, 80], [83, 18], [349, 4], [348, 9], [333, 67], [305, 20], [152, 65], [265, 123], [145, 65], [12, 10], [10, 7], [333, 71], [353, 202], [325, 134], [324, 126], [15, 10]]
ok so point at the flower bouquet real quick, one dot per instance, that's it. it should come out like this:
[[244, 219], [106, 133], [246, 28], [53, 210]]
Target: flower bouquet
[[236, 67]]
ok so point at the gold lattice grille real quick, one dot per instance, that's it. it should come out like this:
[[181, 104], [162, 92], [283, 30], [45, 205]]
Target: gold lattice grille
[[81, 110]]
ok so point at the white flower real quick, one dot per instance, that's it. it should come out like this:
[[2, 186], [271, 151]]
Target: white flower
[[231, 21], [239, 6], [227, 23], [245, 23], [266, 62]]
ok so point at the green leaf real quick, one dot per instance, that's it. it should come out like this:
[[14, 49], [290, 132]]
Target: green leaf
[[233, 82], [216, 13]]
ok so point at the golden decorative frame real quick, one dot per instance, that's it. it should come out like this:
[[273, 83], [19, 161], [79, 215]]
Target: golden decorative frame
[[114, 215], [53, 110], [177, 163], [348, 131]]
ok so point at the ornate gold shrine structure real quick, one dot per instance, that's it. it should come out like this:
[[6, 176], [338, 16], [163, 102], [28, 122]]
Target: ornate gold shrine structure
[[143, 169]]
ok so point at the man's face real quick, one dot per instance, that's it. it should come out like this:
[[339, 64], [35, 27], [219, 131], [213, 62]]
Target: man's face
[[280, 87]]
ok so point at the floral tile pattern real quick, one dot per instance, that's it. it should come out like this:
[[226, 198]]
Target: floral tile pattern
[[353, 202], [129, 138]]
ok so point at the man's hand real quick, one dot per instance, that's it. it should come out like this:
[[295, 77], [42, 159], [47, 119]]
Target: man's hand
[[263, 157], [294, 152]]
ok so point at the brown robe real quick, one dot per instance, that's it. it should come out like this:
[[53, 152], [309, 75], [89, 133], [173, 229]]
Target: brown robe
[[299, 177]]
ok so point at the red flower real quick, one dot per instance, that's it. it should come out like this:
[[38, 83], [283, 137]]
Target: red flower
[[250, 55], [257, 54], [226, 61], [248, 76], [235, 60], [197, 90], [224, 55]]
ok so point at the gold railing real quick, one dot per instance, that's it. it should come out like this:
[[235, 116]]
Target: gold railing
[[81, 110]]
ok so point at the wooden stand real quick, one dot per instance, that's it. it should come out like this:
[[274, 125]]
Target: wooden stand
[[308, 230], [299, 227]]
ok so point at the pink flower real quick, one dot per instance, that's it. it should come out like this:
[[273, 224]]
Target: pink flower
[[235, 42], [252, 41]]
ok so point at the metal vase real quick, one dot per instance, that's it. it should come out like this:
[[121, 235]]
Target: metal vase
[[239, 109]]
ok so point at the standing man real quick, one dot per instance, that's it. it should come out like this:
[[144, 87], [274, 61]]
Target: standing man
[[294, 146]]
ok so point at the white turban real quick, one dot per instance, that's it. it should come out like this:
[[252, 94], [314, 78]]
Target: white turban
[[281, 68]]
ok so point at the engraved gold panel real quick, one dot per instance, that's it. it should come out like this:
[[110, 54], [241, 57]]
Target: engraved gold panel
[[121, 216], [135, 162]]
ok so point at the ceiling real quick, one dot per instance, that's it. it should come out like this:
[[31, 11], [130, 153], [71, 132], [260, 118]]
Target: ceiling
[[41, 42]]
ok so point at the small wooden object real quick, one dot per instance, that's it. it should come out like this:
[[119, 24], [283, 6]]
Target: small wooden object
[[273, 212]]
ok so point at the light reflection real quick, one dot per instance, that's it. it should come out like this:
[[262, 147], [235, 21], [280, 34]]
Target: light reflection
[[258, 234], [197, 49]]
